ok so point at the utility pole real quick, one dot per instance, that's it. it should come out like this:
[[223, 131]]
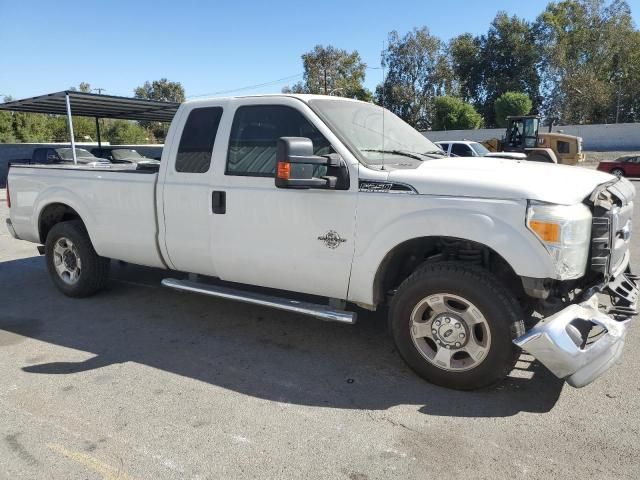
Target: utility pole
[[325, 80], [99, 90], [618, 105]]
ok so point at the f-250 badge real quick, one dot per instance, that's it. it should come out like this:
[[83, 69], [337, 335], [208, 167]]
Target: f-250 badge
[[331, 239]]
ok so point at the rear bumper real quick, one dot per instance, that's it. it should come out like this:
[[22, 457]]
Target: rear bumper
[[11, 229], [566, 345]]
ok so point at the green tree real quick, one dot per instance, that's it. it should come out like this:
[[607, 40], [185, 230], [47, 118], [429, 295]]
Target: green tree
[[123, 132], [505, 59], [417, 72], [84, 129], [588, 52], [162, 90], [451, 113], [6, 125], [332, 71], [511, 104], [511, 60], [31, 127], [465, 53]]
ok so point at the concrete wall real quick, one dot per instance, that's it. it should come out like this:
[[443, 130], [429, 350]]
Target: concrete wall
[[19, 152], [613, 137]]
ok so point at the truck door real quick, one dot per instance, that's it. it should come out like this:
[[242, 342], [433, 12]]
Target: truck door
[[291, 239], [186, 192]]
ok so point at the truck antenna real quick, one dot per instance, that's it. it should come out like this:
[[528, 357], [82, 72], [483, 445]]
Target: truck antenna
[[383, 90]]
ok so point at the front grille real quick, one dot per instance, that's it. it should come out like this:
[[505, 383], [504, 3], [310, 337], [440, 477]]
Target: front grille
[[601, 244], [611, 226]]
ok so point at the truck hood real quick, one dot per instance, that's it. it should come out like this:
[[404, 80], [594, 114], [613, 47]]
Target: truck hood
[[500, 178]]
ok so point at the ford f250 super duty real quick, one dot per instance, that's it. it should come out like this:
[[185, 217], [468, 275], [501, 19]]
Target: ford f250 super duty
[[343, 201]]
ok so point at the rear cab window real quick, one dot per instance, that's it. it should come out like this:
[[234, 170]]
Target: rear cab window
[[197, 140]]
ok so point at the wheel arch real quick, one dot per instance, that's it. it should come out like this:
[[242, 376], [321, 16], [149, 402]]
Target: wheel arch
[[493, 226], [54, 213], [403, 259]]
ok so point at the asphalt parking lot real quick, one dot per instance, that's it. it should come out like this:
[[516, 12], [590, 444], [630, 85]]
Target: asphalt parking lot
[[141, 382]]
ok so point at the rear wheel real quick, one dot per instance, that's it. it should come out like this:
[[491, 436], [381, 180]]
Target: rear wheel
[[73, 264], [454, 324], [618, 172]]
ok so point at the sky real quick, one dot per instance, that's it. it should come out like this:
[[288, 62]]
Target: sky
[[212, 47]]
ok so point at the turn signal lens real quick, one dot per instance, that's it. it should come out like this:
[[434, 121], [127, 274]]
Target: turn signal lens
[[284, 170], [548, 232]]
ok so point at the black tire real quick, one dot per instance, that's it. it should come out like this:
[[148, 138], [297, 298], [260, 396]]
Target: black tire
[[94, 273], [495, 301], [618, 172]]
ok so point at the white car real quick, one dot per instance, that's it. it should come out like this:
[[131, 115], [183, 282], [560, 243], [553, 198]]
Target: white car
[[467, 148], [343, 200]]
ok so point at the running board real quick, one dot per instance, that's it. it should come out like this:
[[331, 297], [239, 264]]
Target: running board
[[323, 312]]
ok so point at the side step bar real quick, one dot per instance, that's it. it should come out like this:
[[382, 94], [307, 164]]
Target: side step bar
[[323, 312]]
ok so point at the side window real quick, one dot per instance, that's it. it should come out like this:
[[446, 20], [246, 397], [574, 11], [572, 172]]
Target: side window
[[52, 156], [461, 150], [445, 147], [39, 155], [198, 138], [254, 137], [563, 147]]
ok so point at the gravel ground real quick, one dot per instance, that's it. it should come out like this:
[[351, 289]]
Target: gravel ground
[[141, 382]]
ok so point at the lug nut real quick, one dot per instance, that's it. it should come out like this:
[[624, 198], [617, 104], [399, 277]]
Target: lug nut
[[462, 335], [457, 344], [457, 325], [434, 331], [448, 320], [437, 323]]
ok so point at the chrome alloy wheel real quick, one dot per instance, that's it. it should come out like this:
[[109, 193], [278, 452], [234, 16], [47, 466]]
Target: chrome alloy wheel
[[67, 261], [450, 332]]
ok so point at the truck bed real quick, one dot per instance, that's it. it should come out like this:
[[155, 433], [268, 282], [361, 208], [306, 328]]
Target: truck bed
[[116, 202]]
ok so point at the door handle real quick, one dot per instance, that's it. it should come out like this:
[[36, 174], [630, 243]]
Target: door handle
[[219, 202]]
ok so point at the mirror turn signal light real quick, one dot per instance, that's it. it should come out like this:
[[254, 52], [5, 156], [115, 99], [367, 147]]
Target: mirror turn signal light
[[547, 231], [284, 170]]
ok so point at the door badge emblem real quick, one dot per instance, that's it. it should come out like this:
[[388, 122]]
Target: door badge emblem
[[331, 239]]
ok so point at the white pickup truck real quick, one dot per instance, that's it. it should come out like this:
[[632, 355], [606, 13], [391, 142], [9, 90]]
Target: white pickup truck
[[339, 199]]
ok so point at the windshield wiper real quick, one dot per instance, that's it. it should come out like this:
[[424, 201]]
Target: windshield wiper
[[415, 156], [434, 152]]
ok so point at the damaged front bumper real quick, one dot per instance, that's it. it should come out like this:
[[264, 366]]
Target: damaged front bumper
[[580, 342]]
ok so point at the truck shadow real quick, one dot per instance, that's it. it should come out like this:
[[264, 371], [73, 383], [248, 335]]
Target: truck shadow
[[254, 351]]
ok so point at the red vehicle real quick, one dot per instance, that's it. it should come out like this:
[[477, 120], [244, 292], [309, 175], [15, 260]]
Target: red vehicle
[[627, 166]]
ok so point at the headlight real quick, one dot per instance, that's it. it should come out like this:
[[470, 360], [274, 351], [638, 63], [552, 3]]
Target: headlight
[[565, 231]]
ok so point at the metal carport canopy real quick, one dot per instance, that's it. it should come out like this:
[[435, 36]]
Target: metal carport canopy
[[94, 105], [70, 102]]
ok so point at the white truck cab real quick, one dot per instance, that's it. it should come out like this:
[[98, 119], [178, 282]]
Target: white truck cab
[[342, 200]]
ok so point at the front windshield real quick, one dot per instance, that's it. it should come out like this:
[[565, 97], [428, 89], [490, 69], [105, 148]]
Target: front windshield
[[480, 149], [361, 126], [125, 154], [67, 154]]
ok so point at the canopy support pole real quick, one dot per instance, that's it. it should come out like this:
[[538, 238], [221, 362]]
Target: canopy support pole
[[98, 132], [70, 121]]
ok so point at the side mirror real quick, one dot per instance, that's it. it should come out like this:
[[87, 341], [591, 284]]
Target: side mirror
[[296, 163]]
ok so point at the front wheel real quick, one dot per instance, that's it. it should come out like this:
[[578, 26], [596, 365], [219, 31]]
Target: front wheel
[[454, 323]]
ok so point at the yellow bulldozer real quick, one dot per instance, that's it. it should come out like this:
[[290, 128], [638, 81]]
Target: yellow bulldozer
[[523, 136]]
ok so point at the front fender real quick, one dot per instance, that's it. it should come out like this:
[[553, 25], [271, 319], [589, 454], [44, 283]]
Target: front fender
[[498, 224]]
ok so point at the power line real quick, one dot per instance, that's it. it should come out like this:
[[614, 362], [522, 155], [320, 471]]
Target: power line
[[249, 87]]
